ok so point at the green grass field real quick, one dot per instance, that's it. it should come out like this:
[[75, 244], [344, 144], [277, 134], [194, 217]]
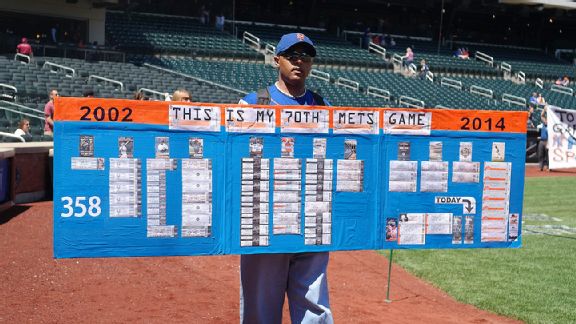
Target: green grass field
[[536, 283]]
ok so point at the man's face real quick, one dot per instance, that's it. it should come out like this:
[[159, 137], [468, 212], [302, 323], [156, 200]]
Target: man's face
[[53, 94], [294, 64]]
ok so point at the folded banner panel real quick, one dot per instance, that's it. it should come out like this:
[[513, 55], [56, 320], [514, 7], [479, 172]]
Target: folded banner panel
[[142, 178]]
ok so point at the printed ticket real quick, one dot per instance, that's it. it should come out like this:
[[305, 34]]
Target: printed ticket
[[433, 186], [123, 211], [439, 223], [123, 187], [117, 163], [284, 186], [286, 196], [196, 175], [287, 175], [402, 186], [197, 164], [441, 176], [470, 167], [326, 163], [349, 186], [161, 231], [196, 209], [316, 207], [286, 207], [434, 166], [287, 164], [403, 176], [404, 165], [465, 177], [324, 196], [196, 219], [197, 186], [188, 198], [161, 164], [196, 231], [249, 162], [457, 230]]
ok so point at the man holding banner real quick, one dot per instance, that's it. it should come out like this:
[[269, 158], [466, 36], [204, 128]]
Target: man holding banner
[[266, 278]]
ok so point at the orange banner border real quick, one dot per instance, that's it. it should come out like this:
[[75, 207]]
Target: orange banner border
[[157, 113]]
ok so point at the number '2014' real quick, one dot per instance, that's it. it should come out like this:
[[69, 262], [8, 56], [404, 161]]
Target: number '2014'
[[478, 124], [106, 114]]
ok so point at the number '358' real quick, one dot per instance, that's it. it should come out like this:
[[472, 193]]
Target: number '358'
[[80, 206]]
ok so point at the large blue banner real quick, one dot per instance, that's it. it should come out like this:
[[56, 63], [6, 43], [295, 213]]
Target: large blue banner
[[137, 178]]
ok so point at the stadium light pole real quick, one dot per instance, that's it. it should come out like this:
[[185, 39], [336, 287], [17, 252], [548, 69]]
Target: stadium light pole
[[440, 29]]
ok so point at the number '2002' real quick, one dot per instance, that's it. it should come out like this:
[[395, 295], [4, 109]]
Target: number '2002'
[[107, 114]]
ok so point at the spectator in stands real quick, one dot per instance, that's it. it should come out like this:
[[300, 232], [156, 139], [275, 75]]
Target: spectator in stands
[[408, 58], [24, 130], [543, 142], [366, 38], [138, 95], [563, 81], [267, 278], [423, 70], [458, 52], [534, 99], [530, 122], [24, 48], [540, 101], [464, 54], [181, 95], [219, 22], [88, 93], [54, 33], [49, 114], [204, 15]]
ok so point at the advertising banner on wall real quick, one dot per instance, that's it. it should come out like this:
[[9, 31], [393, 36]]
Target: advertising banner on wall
[[141, 178], [561, 138]]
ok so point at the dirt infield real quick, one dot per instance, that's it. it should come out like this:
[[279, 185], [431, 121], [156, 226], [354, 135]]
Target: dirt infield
[[35, 288], [534, 171]]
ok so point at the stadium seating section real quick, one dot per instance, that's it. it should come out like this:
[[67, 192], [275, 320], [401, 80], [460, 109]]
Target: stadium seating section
[[170, 52]]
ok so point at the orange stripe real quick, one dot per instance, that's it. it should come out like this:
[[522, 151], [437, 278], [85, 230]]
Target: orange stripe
[[513, 121], [156, 112]]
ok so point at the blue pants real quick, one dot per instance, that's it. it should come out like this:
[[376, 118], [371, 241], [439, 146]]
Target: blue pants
[[266, 278]]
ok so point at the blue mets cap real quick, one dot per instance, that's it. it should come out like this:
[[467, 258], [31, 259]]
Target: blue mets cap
[[292, 39]]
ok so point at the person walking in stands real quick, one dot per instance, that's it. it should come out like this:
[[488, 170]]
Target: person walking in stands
[[49, 114], [24, 48], [181, 95], [266, 278], [408, 58], [543, 142]]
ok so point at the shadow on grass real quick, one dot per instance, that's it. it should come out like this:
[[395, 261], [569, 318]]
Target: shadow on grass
[[14, 211]]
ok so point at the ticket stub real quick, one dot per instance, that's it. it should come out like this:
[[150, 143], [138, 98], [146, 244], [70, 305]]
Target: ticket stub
[[286, 196], [161, 231], [87, 163], [402, 186], [404, 165], [287, 164], [472, 167]]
